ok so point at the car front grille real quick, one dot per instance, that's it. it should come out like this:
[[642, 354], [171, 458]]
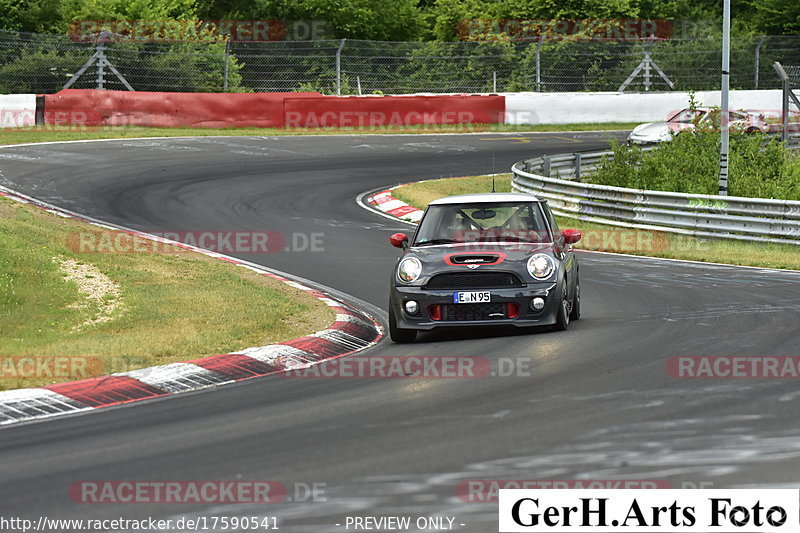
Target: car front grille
[[474, 280], [490, 311]]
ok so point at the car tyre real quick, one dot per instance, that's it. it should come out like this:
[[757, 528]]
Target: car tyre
[[575, 314], [562, 317], [398, 335]]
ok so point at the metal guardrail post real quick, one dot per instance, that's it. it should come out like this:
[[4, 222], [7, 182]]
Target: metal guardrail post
[[577, 166], [785, 113], [339, 68], [546, 166], [758, 59], [539, 64], [227, 59], [788, 94]]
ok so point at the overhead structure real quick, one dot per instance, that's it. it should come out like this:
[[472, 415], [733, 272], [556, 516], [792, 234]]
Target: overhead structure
[[101, 61], [645, 65]]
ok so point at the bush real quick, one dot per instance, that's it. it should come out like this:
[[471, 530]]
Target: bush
[[37, 70], [760, 167]]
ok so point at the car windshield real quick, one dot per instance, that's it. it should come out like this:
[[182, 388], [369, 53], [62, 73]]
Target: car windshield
[[482, 222], [686, 116]]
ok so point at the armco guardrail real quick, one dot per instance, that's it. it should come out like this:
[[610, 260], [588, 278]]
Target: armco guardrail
[[700, 215]]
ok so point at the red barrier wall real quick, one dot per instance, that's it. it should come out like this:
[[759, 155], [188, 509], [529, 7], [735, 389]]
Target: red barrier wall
[[333, 111], [208, 110], [305, 110]]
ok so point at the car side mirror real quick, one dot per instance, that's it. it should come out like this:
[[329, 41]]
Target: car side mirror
[[571, 236], [399, 240]]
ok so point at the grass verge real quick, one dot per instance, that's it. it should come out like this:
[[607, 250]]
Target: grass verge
[[60, 322], [600, 237], [71, 133]]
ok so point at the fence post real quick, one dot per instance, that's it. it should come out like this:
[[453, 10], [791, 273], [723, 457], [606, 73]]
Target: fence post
[[758, 59], [784, 99], [577, 166], [539, 64], [101, 62], [339, 67], [227, 55], [785, 110], [546, 166], [494, 81]]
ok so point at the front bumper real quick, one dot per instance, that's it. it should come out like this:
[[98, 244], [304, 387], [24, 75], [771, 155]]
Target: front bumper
[[521, 296], [644, 139]]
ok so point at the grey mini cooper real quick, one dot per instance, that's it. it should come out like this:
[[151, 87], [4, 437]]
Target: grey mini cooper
[[484, 259]]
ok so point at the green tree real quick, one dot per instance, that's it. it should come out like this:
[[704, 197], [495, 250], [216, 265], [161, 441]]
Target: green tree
[[386, 20], [777, 16], [41, 16], [129, 9]]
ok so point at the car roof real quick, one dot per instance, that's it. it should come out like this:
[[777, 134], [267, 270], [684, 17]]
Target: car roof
[[487, 198]]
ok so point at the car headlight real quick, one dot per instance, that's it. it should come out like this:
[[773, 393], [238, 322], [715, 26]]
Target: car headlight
[[541, 266], [409, 270]]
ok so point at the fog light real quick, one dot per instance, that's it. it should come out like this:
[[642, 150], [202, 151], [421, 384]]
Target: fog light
[[537, 304], [412, 307]]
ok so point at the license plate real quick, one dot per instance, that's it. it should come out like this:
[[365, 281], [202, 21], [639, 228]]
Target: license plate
[[476, 297]]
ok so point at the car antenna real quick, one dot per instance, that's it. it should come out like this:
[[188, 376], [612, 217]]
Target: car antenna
[[493, 172]]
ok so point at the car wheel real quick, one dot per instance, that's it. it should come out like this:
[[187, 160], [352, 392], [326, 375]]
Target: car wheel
[[562, 318], [399, 335], [575, 314]]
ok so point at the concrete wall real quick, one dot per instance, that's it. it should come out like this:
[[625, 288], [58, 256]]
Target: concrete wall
[[573, 108], [17, 110]]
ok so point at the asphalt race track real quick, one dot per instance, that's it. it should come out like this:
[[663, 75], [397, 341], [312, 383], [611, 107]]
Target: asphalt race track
[[598, 404]]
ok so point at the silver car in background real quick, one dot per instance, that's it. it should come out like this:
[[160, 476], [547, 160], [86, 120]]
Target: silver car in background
[[748, 121]]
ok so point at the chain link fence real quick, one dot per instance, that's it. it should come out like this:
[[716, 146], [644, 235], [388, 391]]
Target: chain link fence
[[32, 63]]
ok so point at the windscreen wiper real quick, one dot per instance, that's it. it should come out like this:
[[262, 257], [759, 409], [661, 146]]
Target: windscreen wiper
[[433, 242]]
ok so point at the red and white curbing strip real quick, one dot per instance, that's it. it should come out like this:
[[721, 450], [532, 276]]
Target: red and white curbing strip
[[384, 201], [352, 331]]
